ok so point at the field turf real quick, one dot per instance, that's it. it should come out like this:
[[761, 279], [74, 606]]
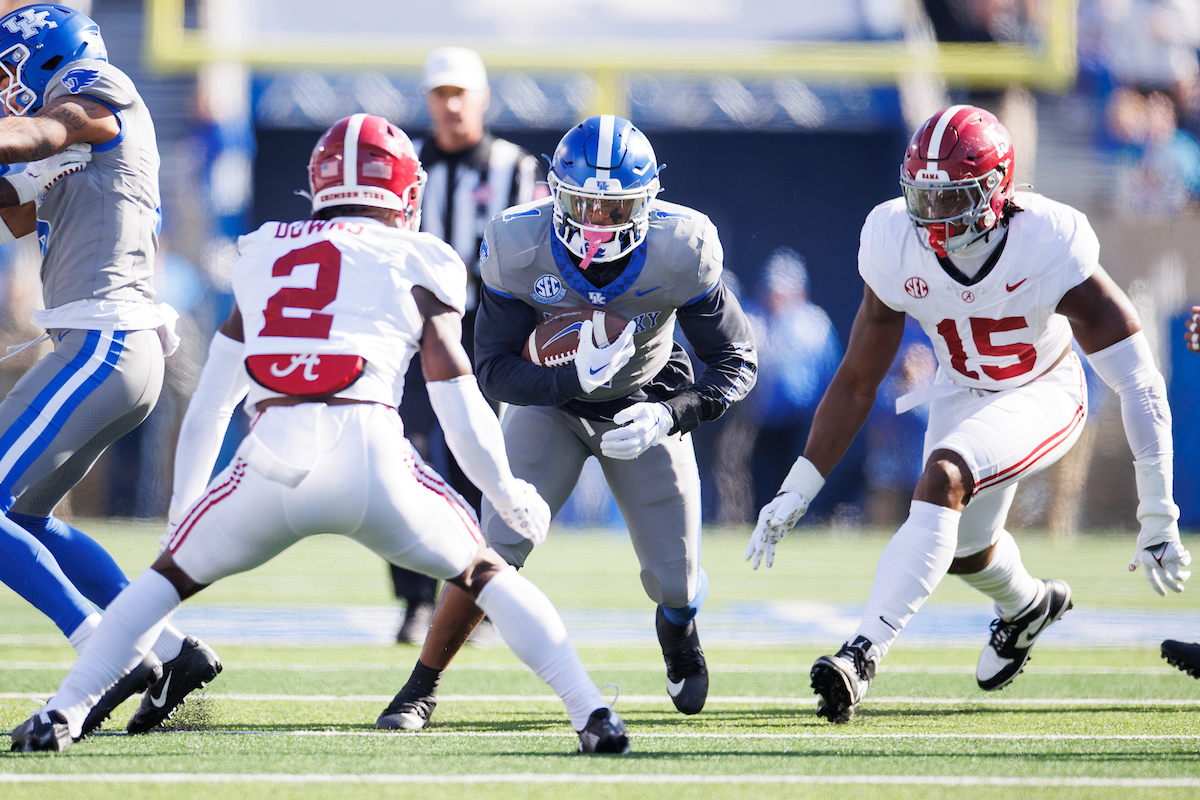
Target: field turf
[[292, 720]]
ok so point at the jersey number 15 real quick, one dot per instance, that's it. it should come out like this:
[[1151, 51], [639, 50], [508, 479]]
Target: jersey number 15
[[981, 334]]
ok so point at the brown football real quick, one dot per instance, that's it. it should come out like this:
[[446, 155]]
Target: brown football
[[555, 341]]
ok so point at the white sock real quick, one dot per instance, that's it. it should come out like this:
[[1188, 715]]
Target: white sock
[[911, 566], [169, 644], [1006, 580], [129, 626], [537, 636], [79, 637]]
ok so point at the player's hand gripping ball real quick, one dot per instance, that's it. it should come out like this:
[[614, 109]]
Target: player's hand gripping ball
[[598, 342]]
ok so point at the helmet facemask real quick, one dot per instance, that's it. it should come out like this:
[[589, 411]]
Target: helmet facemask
[[598, 222], [17, 98], [953, 213]]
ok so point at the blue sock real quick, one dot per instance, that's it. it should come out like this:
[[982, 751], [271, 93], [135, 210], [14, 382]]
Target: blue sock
[[29, 569], [85, 563], [682, 616]]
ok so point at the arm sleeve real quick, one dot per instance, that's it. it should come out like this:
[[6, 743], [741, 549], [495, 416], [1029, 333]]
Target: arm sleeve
[[719, 332], [502, 325], [223, 383], [474, 436]]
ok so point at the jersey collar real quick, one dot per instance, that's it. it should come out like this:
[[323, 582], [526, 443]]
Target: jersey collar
[[597, 296], [954, 272]]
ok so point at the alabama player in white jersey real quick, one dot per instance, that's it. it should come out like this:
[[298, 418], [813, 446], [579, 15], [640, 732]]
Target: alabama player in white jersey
[[328, 314], [999, 280]]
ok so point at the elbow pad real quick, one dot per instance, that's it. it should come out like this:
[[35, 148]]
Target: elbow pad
[[474, 436]]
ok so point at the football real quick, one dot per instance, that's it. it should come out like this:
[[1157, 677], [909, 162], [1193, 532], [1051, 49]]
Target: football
[[555, 341]]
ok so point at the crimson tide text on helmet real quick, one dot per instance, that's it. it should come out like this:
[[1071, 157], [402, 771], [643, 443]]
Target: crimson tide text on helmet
[[957, 176], [603, 176], [364, 160]]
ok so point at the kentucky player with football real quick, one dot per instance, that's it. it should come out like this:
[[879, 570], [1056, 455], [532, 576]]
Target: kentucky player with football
[[603, 240], [1000, 281], [329, 312], [67, 107]]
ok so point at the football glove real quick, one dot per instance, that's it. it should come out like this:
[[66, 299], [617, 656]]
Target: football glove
[[1163, 560], [35, 181], [596, 366], [775, 521], [643, 425], [526, 512]]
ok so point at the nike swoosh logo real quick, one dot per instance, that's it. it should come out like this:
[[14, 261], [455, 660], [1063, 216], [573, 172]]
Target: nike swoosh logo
[[1014, 286], [596, 371], [161, 700], [674, 688], [640, 293]]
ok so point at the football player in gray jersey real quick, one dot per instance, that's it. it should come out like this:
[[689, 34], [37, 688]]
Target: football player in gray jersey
[[67, 107], [603, 240]]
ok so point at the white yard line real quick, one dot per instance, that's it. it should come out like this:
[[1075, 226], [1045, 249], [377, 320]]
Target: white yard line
[[1002, 702], [530, 778]]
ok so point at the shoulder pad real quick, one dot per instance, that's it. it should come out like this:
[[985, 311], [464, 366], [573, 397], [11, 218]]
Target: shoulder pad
[[96, 79]]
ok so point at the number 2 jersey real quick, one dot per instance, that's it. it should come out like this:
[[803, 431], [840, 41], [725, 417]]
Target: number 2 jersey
[[999, 329], [315, 294]]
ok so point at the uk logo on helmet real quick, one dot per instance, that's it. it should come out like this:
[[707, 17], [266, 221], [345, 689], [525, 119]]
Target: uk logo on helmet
[[79, 79], [29, 23]]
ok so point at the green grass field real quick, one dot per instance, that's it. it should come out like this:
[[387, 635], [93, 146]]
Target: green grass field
[[285, 720]]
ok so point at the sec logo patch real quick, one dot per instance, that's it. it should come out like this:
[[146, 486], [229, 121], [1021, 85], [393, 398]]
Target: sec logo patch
[[917, 287], [548, 289]]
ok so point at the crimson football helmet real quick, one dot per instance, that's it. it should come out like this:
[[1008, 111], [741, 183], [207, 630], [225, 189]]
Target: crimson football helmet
[[957, 176], [364, 160]]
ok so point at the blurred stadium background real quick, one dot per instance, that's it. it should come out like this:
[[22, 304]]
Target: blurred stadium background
[[784, 120]]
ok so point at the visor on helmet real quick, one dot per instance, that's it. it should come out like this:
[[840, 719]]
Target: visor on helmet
[[941, 203]]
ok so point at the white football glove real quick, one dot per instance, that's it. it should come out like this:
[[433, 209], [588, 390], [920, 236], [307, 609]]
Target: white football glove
[[38, 176], [1163, 560], [643, 426], [597, 365], [775, 521], [526, 512]]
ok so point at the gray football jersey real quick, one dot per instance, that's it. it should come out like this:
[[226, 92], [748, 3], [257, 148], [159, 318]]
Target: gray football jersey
[[98, 228], [678, 263]]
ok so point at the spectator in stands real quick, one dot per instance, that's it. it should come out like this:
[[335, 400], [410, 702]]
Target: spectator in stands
[[798, 353], [1150, 46], [1158, 165]]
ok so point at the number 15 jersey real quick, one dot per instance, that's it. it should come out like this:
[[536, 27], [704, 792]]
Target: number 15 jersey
[[314, 295], [999, 329]]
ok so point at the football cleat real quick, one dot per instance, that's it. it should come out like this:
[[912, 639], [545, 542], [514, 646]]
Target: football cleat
[[408, 711], [45, 730], [842, 680], [1185, 656], [142, 677], [1007, 651], [687, 674], [604, 733], [194, 667], [417, 618]]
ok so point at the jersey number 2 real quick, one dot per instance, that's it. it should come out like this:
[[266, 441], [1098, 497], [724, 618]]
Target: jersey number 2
[[329, 270], [981, 333]]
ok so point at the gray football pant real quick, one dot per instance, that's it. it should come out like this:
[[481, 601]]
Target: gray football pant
[[658, 494], [95, 387]]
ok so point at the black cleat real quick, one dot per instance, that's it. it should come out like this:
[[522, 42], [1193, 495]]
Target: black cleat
[[142, 677], [604, 733], [45, 730], [841, 681], [194, 667], [408, 711], [1185, 656], [1007, 651], [417, 617], [687, 675]]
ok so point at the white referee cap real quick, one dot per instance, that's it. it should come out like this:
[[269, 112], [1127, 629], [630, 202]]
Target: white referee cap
[[455, 66]]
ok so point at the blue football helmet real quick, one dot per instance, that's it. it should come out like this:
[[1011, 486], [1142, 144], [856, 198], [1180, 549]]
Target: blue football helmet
[[35, 43], [603, 176]]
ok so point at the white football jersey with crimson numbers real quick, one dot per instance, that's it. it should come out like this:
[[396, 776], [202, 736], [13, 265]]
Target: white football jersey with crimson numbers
[[320, 298], [999, 329]]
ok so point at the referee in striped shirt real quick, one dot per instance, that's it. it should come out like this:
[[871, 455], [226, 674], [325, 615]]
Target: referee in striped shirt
[[472, 177]]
